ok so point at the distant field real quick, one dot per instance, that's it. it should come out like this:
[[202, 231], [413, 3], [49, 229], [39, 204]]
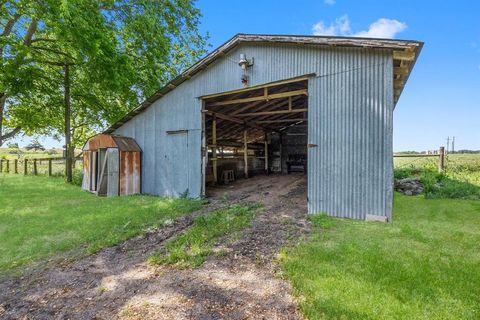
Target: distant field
[[6, 153], [461, 178]]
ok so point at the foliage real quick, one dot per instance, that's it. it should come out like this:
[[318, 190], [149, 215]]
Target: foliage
[[119, 52], [41, 217], [424, 265], [35, 145], [461, 179], [12, 145], [191, 248]]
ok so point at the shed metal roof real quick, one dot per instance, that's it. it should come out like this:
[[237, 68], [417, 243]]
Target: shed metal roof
[[101, 141], [405, 54]]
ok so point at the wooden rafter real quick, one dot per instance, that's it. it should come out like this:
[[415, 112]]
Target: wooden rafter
[[282, 120], [262, 113], [261, 98]]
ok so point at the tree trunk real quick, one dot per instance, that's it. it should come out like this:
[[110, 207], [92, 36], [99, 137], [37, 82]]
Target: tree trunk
[[68, 138]]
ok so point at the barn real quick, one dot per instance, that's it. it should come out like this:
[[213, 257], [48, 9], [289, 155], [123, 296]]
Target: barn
[[276, 104]]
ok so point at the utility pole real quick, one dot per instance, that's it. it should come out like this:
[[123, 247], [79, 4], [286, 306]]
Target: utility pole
[[453, 144], [448, 142]]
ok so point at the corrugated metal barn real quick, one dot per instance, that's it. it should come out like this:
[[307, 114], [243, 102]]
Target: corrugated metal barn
[[280, 104]]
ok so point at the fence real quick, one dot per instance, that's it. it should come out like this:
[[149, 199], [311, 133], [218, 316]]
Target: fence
[[37, 166], [440, 155]]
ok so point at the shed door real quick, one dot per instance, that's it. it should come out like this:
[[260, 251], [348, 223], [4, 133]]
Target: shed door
[[178, 163]]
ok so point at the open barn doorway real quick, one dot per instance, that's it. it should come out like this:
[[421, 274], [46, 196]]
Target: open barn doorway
[[256, 134]]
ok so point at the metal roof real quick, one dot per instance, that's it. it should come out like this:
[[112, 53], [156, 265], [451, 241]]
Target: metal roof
[[405, 54], [101, 141]]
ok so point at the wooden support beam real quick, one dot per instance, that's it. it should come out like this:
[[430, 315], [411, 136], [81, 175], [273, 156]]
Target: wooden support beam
[[404, 55], [403, 71], [25, 166], [261, 98], [290, 103], [268, 85], [266, 153], [245, 153], [15, 166], [233, 119], [214, 148], [282, 120], [264, 113]]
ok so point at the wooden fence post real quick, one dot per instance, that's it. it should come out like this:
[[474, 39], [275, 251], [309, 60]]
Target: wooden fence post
[[8, 166], [1, 165], [49, 167], [441, 159], [15, 166], [25, 166], [35, 167]]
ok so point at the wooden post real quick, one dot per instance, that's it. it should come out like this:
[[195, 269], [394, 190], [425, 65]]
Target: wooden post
[[35, 167], [49, 167], [8, 166], [214, 149], [266, 154], [1, 165], [441, 159], [15, 166], [25, 166], [245, 153]]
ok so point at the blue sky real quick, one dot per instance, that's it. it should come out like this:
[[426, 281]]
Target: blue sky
[[442, 96]]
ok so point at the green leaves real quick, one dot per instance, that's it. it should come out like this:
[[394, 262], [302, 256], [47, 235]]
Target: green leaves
[[120, 52]]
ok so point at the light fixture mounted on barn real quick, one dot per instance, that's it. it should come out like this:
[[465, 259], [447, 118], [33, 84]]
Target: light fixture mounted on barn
[[244, 63]]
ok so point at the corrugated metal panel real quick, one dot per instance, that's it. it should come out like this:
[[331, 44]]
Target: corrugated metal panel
[[86, 170], [113, 176], [129, 173], [126, 144], [350, 119]]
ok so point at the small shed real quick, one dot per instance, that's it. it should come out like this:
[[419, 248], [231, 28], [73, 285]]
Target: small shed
[[111, 165]]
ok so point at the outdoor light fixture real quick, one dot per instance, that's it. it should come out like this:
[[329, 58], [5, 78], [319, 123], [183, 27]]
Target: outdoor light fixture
[[244, 63]]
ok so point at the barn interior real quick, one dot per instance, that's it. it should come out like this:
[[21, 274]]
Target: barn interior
[[256, 131]]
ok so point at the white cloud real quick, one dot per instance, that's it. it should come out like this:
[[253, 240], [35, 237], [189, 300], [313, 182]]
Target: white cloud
[[330, 2], [339, 26], [382, 28]]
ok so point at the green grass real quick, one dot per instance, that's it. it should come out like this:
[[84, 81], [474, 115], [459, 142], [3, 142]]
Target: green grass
[[461, 179], [424, 265], [191, 248], [43, 216]]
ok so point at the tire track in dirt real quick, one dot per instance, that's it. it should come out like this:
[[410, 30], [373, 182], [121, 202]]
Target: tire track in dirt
[[237, 283]]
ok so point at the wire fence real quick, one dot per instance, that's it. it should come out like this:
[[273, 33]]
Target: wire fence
[[41, 166]]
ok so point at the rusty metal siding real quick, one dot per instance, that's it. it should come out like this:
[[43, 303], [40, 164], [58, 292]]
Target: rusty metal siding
[[350, 119], [129, 172]]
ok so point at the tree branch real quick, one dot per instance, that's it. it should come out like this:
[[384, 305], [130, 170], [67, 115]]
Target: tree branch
[[11, 134], [52, 51], [8, 28], [30, 31]]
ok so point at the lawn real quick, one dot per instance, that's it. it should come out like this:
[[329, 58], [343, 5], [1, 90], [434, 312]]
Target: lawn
[[423, 265], [42, 216]]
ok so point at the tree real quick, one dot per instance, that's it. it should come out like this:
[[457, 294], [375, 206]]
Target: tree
[[35, 145], [73, 67], [12, 145]]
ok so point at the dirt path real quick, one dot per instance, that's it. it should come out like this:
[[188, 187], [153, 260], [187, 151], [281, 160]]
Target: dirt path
[[118, 283]]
